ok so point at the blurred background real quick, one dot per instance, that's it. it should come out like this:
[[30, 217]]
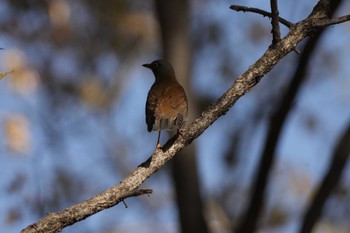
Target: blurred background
[[72, 120]]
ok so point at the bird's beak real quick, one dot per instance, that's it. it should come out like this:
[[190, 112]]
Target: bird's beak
[[149, 66]]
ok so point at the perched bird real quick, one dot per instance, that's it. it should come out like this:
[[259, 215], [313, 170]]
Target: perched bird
[[166, 105]]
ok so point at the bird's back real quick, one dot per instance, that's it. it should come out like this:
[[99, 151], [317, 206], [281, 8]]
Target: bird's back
[[166, 106]]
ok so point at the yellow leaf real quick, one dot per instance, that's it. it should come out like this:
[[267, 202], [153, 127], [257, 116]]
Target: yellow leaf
[[3, 74]]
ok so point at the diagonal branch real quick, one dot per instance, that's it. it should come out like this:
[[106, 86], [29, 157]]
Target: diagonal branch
[[275, 128], [328, 22], [55, 222], [276, 122], [330, 180], [250, 218], [276, 34], [261, 12]]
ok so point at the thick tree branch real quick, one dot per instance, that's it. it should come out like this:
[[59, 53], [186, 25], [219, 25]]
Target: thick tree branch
[[261, 12], [276, 34], [55, 222]]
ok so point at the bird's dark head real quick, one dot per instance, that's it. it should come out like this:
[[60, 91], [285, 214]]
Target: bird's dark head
[[161, 69]]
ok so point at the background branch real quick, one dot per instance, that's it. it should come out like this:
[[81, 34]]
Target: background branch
[[276, 124], [173, 17], [330, 181]]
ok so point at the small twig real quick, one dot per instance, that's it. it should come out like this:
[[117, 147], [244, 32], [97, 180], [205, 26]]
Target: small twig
[[276, 34], [135, 193], [138, 192], [333, 21], [126, 206], [297, 51], [261, 12]]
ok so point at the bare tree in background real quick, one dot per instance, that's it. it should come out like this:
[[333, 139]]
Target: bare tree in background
[[174, 19]]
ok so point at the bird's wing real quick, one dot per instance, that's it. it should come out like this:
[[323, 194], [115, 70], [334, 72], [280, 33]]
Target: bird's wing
[[171, 110], [151, 104]]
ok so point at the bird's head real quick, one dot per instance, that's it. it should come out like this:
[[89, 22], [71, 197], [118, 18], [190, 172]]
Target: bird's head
[[161, 69]]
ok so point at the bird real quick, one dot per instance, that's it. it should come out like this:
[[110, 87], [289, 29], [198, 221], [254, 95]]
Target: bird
[[166, 104]]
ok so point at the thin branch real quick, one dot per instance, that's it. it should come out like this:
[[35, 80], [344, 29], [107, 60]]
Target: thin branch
[[276, 34], [333, 21], [138, 192], [238, 8], [55, 222]]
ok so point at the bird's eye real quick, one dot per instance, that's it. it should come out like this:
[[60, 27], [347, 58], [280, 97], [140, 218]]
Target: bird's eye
[[156, 64]]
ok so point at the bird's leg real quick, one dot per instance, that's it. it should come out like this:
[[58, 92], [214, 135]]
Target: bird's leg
[[158, 144]]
